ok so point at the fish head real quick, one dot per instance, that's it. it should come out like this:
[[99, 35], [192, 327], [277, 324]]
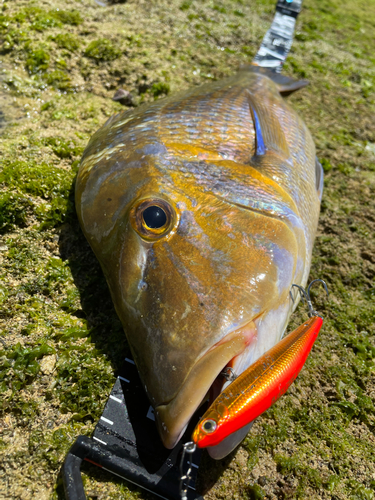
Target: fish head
[[191, 274]]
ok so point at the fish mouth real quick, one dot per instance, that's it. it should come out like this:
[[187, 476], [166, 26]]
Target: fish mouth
[[173, 417]]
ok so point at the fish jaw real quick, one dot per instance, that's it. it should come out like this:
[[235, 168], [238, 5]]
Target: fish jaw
[[238, 349], [173, 417]]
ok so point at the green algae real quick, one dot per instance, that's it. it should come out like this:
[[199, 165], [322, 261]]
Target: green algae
[[63, 148], [38, 60], [37, 179], [254, 492], [102, 50], [61, 68], [160, 89], [41, 20], [20, 365], [294, 465], [14, 210], [72, 17], [80, 383], [67, 41], [58, 79]]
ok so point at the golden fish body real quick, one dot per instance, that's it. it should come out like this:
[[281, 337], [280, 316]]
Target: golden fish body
[[232, 168]]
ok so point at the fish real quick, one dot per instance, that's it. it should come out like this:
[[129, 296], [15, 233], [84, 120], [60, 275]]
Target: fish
[[202, 209], [258, 387]]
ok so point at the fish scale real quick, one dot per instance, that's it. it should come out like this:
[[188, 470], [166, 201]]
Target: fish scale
[[213, 122]]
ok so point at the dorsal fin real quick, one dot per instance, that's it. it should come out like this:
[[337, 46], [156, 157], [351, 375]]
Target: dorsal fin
[[269, 136], [286, 85]]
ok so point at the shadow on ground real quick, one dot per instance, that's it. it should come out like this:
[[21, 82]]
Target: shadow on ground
[[97, 309]]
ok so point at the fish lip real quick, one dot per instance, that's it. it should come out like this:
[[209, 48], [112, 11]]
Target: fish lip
[[173, 417]]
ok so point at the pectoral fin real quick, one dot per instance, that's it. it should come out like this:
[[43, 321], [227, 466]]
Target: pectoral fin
[[269, 136], [260, 148]]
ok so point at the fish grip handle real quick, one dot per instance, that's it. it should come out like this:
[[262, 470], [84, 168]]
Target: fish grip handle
[[126, 443], [289, 8], [279, 38], [71, 472]]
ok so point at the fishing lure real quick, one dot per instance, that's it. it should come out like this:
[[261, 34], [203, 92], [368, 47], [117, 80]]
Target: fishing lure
[[258, 387]]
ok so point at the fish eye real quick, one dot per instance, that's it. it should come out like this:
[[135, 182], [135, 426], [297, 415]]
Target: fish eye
[[153, 218], [209, 426]]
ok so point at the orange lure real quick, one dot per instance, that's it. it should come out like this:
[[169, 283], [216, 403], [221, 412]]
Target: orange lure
[[258, 387]]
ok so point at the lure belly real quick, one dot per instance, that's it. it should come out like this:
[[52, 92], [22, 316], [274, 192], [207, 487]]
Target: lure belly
[[258, 387]]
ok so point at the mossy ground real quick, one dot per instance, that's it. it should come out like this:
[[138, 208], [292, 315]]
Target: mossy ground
[[61, 63]]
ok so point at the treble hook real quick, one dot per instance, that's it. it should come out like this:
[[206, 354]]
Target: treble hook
[[306, 295], [229, 374], [302, 292]]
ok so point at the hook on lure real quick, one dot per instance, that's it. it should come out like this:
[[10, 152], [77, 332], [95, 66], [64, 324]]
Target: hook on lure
[[229, 374], [258, 387], [305, 294]]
